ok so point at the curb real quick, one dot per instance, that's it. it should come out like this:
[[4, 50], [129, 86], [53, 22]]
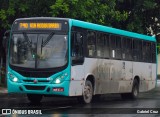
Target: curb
[[3, 90]]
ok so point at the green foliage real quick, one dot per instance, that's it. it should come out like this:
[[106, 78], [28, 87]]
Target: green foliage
[[88, 10], [12, 9], [142, 14], [158, 48], [3, 14], [149, 4], [133, 15]]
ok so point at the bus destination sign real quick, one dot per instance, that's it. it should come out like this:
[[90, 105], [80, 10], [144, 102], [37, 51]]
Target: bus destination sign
[[39, 26]]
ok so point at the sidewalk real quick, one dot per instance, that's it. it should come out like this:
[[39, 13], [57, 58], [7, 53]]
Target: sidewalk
[[3, 90]]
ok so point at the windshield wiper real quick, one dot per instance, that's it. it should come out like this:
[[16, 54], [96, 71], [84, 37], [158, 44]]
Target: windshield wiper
[[44, 43], [27, 39]]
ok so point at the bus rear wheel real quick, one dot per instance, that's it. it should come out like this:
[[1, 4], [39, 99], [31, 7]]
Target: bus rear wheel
[[87, 93], [135, 90], [134, 93], [34, 98]]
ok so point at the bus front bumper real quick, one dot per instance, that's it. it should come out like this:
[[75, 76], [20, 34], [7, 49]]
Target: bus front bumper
[[46, 89]]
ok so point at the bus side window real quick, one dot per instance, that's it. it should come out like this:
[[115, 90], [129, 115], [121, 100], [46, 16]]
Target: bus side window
[[144, 51], [113, 46], [140, 49], [91, 43], [137, 50], [76, 44], [148, 52], [72, 44], [153, 52], [100, 44], [123, 48], [106, 45], [118, 47], [127, 48], [77, 48]]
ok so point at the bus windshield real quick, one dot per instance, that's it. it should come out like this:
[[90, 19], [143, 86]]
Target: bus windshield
[[38, 50]]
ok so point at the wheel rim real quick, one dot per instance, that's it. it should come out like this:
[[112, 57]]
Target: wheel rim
[[135, 92], [87, 93]]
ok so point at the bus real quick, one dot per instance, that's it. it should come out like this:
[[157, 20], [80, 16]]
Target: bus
[[68, 57]]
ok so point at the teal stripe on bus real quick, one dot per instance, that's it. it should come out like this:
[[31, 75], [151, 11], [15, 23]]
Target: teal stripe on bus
[[107, 29]]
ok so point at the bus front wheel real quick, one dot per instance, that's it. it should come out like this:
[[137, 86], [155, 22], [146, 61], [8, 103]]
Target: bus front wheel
[[34, 98], [87, 93]]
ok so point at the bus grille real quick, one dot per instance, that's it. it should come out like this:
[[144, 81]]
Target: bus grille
[[43, 81], [34, 87], [36, 74]]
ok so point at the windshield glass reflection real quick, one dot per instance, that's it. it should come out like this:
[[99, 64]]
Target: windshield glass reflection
[[38, 50]]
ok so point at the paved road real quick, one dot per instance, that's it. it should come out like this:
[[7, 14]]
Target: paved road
[[109, 105]]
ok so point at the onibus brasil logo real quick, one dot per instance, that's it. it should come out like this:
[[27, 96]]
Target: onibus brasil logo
[[24, 111]]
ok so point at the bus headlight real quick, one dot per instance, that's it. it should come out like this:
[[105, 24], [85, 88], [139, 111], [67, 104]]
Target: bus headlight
[[13, 78], [60, 78]]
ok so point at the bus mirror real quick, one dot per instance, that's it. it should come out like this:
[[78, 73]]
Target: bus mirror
[[5, 39]]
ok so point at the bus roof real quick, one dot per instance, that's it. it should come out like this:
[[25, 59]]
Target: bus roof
[[97, 27], [41, 18], [111, 30]]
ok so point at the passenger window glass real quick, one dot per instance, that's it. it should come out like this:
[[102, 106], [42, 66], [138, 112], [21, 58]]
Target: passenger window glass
[[100, 45], [76, 44], [113, 46], [144, 52], [118, 47], [126, 48], [153, 52], [137, 50], [91, 43], [106, 46]]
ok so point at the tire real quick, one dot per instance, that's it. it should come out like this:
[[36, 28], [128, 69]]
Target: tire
[[34, 98], [135, 90], [134, 93], [87, 93]]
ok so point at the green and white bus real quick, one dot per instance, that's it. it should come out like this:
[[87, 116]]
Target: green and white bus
[[68, 57]]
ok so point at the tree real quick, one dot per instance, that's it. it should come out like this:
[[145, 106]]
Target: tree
[[143, 15], [12, 9], [95, 11]]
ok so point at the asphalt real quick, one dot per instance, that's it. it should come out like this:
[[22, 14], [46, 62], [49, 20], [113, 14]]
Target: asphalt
[[4, 91]]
